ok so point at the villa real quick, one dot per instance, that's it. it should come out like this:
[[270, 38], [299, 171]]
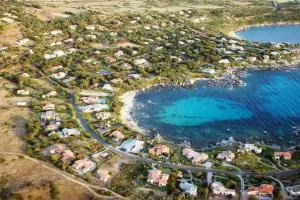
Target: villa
[[116, 81], [103, 115], [52, 93], [188, 188], [83, 166], [48, 115], [23, 41], [132, 146], [66, 132], [117, 136], [197, 158], [159, 150], [219, 189], [141, 62], [226, 155], [90, 27], [23, 92], [59, 75], [57, 148], [48, 106], [224, 61], [104, 128], [250, 147], [208, 71], [103, 174], [287, 155], [156, 177], [67, 154], [89, 100], [108, 87], [52, 127], [56, 32], [94, 108], [263, 191]]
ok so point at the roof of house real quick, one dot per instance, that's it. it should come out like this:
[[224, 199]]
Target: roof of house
[[117, 135], [284, 154], [264, 188]]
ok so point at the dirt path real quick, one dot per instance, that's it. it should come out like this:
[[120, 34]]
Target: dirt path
[[69, 177]]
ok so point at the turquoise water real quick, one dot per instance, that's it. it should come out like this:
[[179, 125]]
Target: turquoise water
[[280, 34], [267, 109]]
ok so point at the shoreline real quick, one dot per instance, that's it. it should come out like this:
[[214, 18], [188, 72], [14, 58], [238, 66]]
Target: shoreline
[[234, 32], [128, 100]]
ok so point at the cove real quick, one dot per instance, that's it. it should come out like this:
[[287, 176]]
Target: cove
[[275, 33], [267, 108]]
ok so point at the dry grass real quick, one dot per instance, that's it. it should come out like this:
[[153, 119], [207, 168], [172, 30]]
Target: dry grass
[[51, 9], [10, 34], [29, 180]]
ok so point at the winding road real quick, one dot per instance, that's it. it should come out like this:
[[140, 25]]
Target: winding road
[[127, 155]]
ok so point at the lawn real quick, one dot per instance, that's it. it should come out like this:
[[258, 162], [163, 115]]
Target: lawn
[[248, 161]]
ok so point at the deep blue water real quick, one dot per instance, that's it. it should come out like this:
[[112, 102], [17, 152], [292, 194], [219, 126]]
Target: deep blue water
[[289, 34], [269, 102]]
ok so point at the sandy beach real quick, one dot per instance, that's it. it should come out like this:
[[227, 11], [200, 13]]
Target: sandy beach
[[128, 103]]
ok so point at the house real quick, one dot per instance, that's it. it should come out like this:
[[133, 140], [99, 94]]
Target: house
[[49, 106], [159, 150], [48, 115], [90, 27], [286, 155], [141, 62], [49, 56], [52, 127], [117, 136], [264, 191], [22, 103], [83, 166], [252, 59], [103, 115], [59, 75], [132, 146], [66, 132], [196, 157], [251, 147], [108, 87], [94, 108], [188, 188], [156, 177], [224, 61], [59, 53], [67, 154], [23, 92], [208, 71], [119, 54], [134, 76], [103, 174], [57, 148], [104, 128], [73, 27], [219, 189], [116, 81], [23, 41], [56, 32], [89, 100], [52, 93], [226, 155]]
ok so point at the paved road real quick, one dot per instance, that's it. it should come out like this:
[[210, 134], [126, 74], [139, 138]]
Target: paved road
[[127, 155]]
